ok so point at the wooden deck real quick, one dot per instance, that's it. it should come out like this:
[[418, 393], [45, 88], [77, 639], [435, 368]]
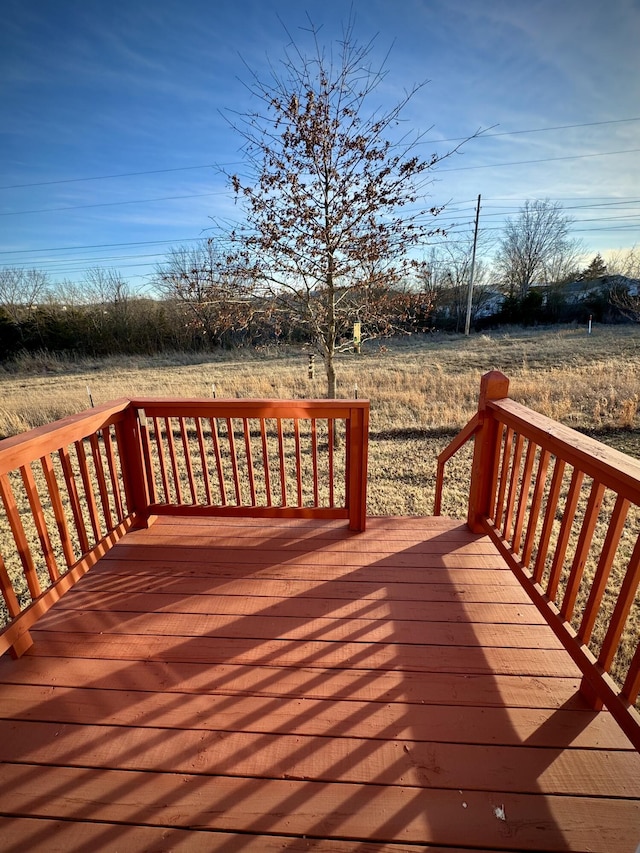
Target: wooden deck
[[289, 685]]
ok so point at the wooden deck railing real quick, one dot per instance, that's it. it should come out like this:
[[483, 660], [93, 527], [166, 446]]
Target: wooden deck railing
[[72, 488], [562, 508], [265, 458], [68, 494]]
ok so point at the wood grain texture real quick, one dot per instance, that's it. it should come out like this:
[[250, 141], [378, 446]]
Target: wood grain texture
[[250, 685], [319, 809]]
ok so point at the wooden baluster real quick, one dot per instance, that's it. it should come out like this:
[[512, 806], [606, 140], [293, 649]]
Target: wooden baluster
[[203, 460], [549, 516], [568, 516], [145, 449], [283, 475], [92, 507], [13, 606], [247, 448], [162, 464], [58, 509], [8, 592], [603, 570], [173, 460], [493, 489], [19, 536], [39, 521], [74, 499], [330, 445], [524, 495], [514, 482], [314, 458], [536, 503], [216, 450], [265, 461], [621, 611], [582, 549], [113, 472], [296, 434], [187, 460], [504, 478], [102, 481], [631, 686], [234, 461]]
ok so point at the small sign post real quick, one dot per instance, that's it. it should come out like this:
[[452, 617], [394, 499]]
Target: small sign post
[[357, 337]]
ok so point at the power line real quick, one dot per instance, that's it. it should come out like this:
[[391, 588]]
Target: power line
[[544, 160], [109, 177], [240, 162], [457, 226], [532, 130], [225, 192], [76, 265], [100, 246], [112, 203]]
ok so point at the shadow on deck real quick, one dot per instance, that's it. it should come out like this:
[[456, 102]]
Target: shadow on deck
[[280, 684]]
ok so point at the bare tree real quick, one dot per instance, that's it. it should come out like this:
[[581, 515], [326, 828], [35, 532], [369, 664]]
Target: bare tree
[[450, 267], [68, 294], [107, 287], [334, 192], [20, 291], [110, 300], [536, 243], [625, 262], [623, 272], [215, 296]]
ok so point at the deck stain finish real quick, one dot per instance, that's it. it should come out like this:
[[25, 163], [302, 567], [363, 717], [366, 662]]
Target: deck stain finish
[[241, 684]]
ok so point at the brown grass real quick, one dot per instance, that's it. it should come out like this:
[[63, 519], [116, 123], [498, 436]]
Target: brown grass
[[422, 390]]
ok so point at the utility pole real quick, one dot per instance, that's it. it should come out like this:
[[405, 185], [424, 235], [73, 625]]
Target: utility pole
[[467, 324]]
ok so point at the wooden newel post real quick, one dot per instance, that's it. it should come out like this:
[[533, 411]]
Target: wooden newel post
[[133, 467], [357, 455], [493, 386]]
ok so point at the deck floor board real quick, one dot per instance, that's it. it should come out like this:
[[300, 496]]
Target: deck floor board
[[217, 684]]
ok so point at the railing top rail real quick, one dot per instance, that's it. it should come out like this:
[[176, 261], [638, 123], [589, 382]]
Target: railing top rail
[[247, 407], [18, 450], [614, 469], [460, 439]]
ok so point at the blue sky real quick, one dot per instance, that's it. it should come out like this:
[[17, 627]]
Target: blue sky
[[91, 89]]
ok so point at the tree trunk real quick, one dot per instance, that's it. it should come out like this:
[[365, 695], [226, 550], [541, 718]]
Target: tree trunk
[[330, 339], [331, 376]]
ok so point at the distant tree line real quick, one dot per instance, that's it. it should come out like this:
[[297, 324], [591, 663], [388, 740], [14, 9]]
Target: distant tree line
[[195, 312], [197, 307]]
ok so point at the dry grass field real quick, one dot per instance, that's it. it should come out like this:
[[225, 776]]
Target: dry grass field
[[422, 390]]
